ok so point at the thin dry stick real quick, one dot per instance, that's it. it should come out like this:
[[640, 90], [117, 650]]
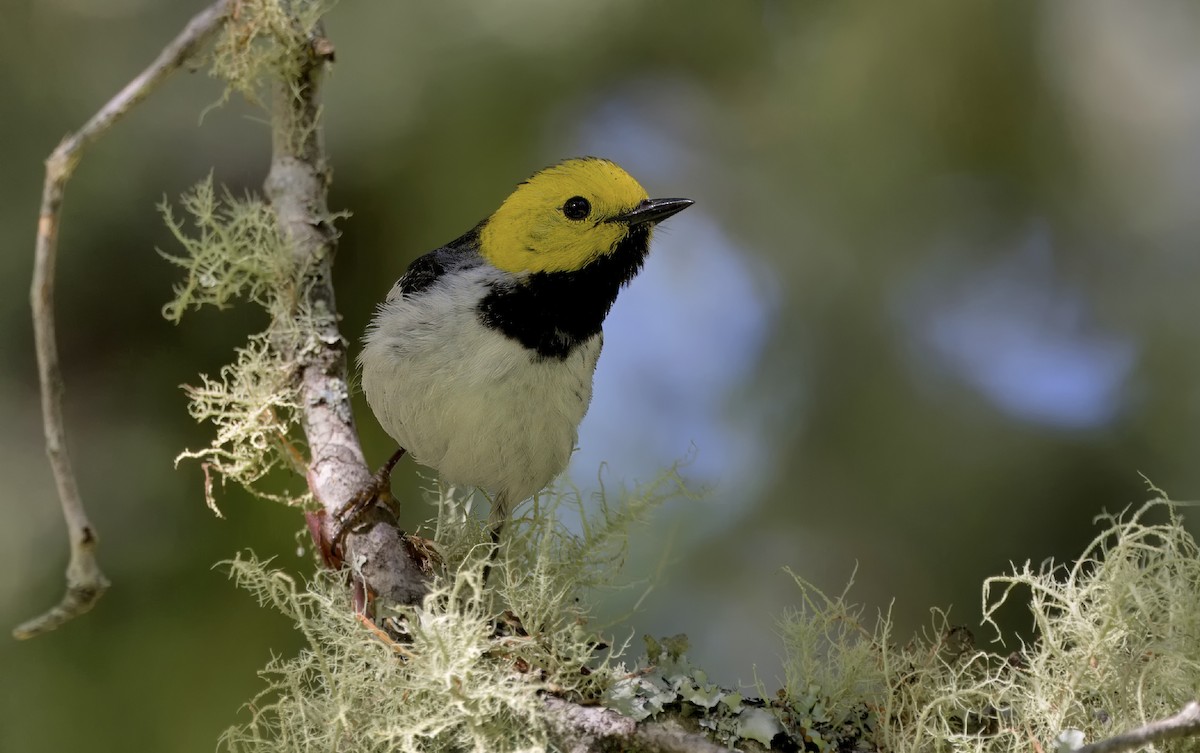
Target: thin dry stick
[[1184, 724], [85, 582]]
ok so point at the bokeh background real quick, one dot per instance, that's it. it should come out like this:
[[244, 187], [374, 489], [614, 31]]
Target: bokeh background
[[936, 306]]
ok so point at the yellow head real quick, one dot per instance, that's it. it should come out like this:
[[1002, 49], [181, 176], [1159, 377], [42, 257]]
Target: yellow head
[[567, 216]]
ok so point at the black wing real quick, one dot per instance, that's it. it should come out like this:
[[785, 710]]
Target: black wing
[[425, 271]]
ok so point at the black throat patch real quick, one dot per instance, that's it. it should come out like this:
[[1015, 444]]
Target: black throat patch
[[552, 313]]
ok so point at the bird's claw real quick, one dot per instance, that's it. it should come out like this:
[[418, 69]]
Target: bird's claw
[[377, 490]]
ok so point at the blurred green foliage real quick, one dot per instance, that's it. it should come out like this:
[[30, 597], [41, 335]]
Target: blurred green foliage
[[957, 205]]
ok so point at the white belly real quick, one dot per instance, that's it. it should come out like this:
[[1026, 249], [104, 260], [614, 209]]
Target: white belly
[[469, 402]]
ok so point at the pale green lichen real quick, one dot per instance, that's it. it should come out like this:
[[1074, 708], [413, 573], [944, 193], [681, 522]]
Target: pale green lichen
[[233, 251], [1118, 633], [252, 408], [465, 670], [262, 44], [668, 678], [832, 654], [1117, 645]]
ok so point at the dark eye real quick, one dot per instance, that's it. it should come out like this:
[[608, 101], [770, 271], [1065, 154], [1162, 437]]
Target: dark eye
[[576, 208]]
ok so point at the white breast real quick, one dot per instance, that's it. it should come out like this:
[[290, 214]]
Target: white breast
[[468, 401]]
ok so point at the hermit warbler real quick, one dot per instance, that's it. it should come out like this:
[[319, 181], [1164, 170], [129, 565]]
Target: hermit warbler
[[480, 360]]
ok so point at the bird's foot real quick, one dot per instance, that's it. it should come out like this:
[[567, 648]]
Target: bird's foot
[[379, 489], [496, 529]]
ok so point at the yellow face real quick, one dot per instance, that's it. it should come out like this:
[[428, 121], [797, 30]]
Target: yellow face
[[558, 220]]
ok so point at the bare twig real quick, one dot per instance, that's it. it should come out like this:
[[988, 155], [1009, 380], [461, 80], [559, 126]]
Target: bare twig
[[297, 186], [85, 582], [1184, 724]]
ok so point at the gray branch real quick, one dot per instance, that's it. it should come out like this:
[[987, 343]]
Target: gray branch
[[85, 581], [297, 186], [1184, 724], [582, 729]]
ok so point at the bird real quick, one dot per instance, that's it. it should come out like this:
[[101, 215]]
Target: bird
[[480, 361]]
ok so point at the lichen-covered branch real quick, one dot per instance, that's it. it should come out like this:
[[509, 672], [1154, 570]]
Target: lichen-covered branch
[[507, 667], [583, 729], [297, 187], [1184, 724], [86, 583]]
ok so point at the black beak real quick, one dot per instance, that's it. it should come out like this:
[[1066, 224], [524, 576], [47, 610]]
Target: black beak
[[651, 211]]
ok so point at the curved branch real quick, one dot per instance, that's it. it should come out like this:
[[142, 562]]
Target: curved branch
[[85, 581]]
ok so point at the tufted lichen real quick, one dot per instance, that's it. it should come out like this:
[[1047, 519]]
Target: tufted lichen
[[232, 250], [464, 670], [1117, 645]]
